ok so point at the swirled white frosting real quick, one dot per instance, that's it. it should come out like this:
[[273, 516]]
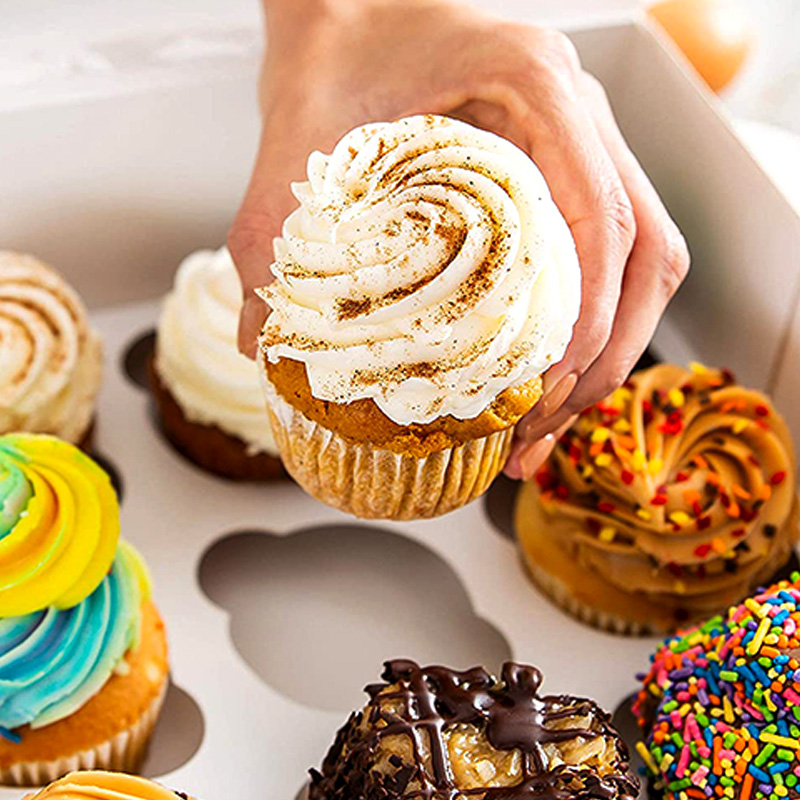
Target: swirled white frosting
[[197, 356], [50, 358], [427, 268]]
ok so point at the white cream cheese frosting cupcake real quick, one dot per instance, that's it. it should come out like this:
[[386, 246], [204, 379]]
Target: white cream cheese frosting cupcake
[[51, 359], [208, 393], [422, 287]]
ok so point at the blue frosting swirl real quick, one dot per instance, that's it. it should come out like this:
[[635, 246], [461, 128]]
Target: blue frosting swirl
[[53, 661]]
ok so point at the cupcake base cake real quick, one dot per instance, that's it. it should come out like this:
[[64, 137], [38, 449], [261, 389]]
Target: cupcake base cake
[[208, 446], [111, 731], [343, 454]]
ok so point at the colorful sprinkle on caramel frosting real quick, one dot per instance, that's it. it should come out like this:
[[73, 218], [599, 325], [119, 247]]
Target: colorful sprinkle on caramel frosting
[[676, 494], [720, 706]]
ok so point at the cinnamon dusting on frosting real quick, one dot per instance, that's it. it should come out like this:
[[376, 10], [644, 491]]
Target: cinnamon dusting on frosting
[[422, 242]]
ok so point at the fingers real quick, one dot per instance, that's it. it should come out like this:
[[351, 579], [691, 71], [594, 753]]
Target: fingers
[[526, 458], [566, 144], [656, 266]]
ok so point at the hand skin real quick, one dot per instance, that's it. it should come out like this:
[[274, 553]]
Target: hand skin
[[332, 65]]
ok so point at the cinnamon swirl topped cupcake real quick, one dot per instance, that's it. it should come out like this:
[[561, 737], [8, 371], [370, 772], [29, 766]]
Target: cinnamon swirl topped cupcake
[[664, 504], [437, 733], [50, 357], [421, 288]]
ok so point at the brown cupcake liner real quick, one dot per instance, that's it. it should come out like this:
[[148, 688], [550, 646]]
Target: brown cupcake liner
[[557, 591], [124, 752], [208, 446], [373, 483]]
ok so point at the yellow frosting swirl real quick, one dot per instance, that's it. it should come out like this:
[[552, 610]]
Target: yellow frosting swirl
[[98, 785], [59, 524]]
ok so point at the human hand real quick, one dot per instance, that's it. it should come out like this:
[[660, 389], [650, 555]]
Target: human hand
[[334, 64]]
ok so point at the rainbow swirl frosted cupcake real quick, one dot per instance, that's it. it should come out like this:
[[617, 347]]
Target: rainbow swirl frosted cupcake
[[51, 360], [99, 785], [83, 657], [422, 287], [720, 706]]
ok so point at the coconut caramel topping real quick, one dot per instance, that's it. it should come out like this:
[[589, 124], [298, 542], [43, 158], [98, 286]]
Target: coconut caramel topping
[[435, 733], [427, 268]]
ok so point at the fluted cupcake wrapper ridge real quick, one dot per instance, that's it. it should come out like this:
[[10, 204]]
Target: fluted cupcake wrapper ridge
[[373, 483], [560, 595], [124, 752]]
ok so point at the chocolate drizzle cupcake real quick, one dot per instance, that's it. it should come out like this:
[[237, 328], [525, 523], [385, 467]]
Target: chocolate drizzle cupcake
[[432, 732]]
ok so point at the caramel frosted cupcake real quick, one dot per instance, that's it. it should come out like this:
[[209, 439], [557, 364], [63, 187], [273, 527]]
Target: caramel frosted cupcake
[[437, 733], [99, 785], [50, 357], [83, 655], [208, 395], [423, 285], [664, 504]]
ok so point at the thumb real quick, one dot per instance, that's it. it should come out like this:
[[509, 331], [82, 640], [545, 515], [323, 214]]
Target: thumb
[[267, 202]]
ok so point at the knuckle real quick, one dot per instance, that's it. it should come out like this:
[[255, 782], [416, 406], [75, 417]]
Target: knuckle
[[674, 259], [619, 215], [594, 340], [559, 50], [594, 91], [543, 51]]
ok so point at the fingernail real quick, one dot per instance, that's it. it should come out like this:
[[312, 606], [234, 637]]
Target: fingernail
[[554, 398], [532, 456], [538, 423]]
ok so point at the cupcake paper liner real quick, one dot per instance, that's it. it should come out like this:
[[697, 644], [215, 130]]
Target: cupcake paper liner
[[122, 753], [557, 591], [373, 483]]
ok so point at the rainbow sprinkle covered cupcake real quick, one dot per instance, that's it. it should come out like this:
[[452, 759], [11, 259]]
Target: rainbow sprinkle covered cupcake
[[83, 661], [720, 706]]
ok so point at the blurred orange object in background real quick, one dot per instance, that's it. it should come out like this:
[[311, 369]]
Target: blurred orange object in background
[[715, 35]]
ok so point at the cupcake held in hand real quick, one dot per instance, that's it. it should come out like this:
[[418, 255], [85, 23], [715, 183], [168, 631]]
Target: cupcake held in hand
[[208, 395], [437, 733], [663, 504], [83, 656], [421, 288], [99, 785], [719, 708], [51, 359]]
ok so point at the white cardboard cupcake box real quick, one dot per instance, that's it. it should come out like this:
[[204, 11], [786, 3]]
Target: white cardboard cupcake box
[[132, 153]]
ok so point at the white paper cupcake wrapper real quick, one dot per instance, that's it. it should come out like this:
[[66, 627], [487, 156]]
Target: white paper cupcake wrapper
[[378, 484], [123, 753], [557, 591]]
